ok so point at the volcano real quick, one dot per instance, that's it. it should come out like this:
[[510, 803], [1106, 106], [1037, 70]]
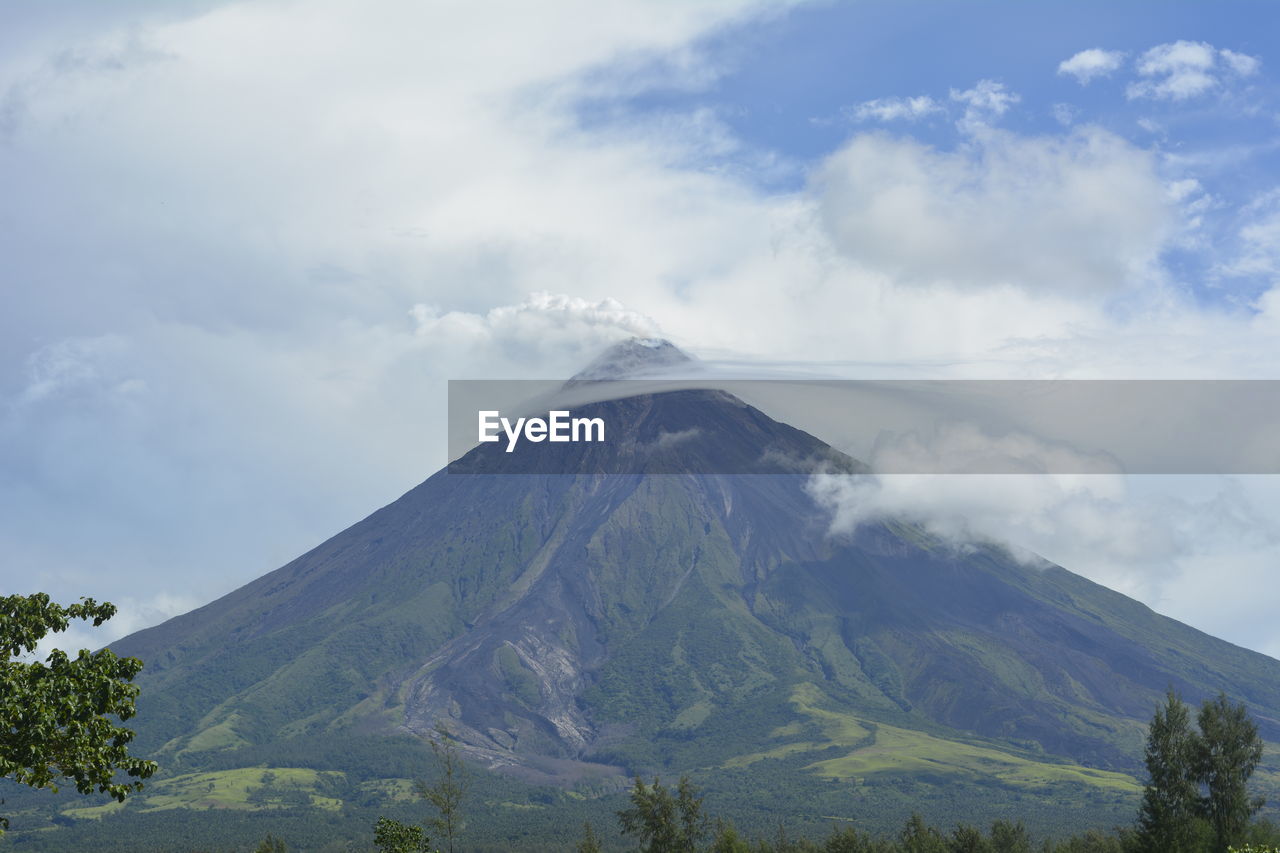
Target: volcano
[[584, 625]]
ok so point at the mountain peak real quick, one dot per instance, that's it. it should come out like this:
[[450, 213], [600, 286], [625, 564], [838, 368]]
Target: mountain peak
[[632, 358]]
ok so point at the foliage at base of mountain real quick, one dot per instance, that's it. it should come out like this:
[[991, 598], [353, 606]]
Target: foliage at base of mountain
[[58, 717], [507, 815]]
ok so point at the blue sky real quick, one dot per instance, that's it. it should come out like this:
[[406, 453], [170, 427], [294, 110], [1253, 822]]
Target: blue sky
[[789, 90], [788, 80], [246, 245]]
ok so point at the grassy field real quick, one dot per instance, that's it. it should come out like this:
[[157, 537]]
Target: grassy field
[[246, 788], [876, 748]]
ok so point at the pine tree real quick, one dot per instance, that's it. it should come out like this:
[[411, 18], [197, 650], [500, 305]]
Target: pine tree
[[590, 842], [1229, 750], [1167, 817]]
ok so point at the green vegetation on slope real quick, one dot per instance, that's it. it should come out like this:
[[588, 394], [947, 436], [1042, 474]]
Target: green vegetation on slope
[[877, 748]]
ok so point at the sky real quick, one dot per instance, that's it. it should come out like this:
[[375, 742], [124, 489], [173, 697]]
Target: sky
[[245, 245]]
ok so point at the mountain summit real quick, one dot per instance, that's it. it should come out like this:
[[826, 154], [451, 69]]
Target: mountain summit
[[577, 624], [632, 359]]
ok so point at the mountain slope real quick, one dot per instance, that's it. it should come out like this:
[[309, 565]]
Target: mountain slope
[[590, 624]]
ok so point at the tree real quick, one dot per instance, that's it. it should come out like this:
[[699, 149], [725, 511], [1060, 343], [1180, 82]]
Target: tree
[[693, 822], [590, 842], [651, 818], [1093, 841], [919, 837], [271, 844], [968, 839], [849, 840], [55, 716], [392, 836], [1168, 818], [728, 840], [1198, 790], [1229, 750], [663, 823], [1009, 837], [448, 792]]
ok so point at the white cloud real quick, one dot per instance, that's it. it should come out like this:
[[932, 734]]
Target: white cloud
[[1090, 64], [1255, 251], [1261, 240], [205, 323], [987, 99], [1081, 213], [1151, 126], [132, 614], [1162, 540], [1241, 63], [1065, 114], [959, 447], [542, 322], [66, 365], [893, 109], [1180, 70]]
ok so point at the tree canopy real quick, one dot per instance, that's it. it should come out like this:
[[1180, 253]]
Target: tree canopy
[[1229, 752], [663, 823], [1197, 796], [56, 716]]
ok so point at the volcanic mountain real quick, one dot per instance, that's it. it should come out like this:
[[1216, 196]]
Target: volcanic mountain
[[588, 624]]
